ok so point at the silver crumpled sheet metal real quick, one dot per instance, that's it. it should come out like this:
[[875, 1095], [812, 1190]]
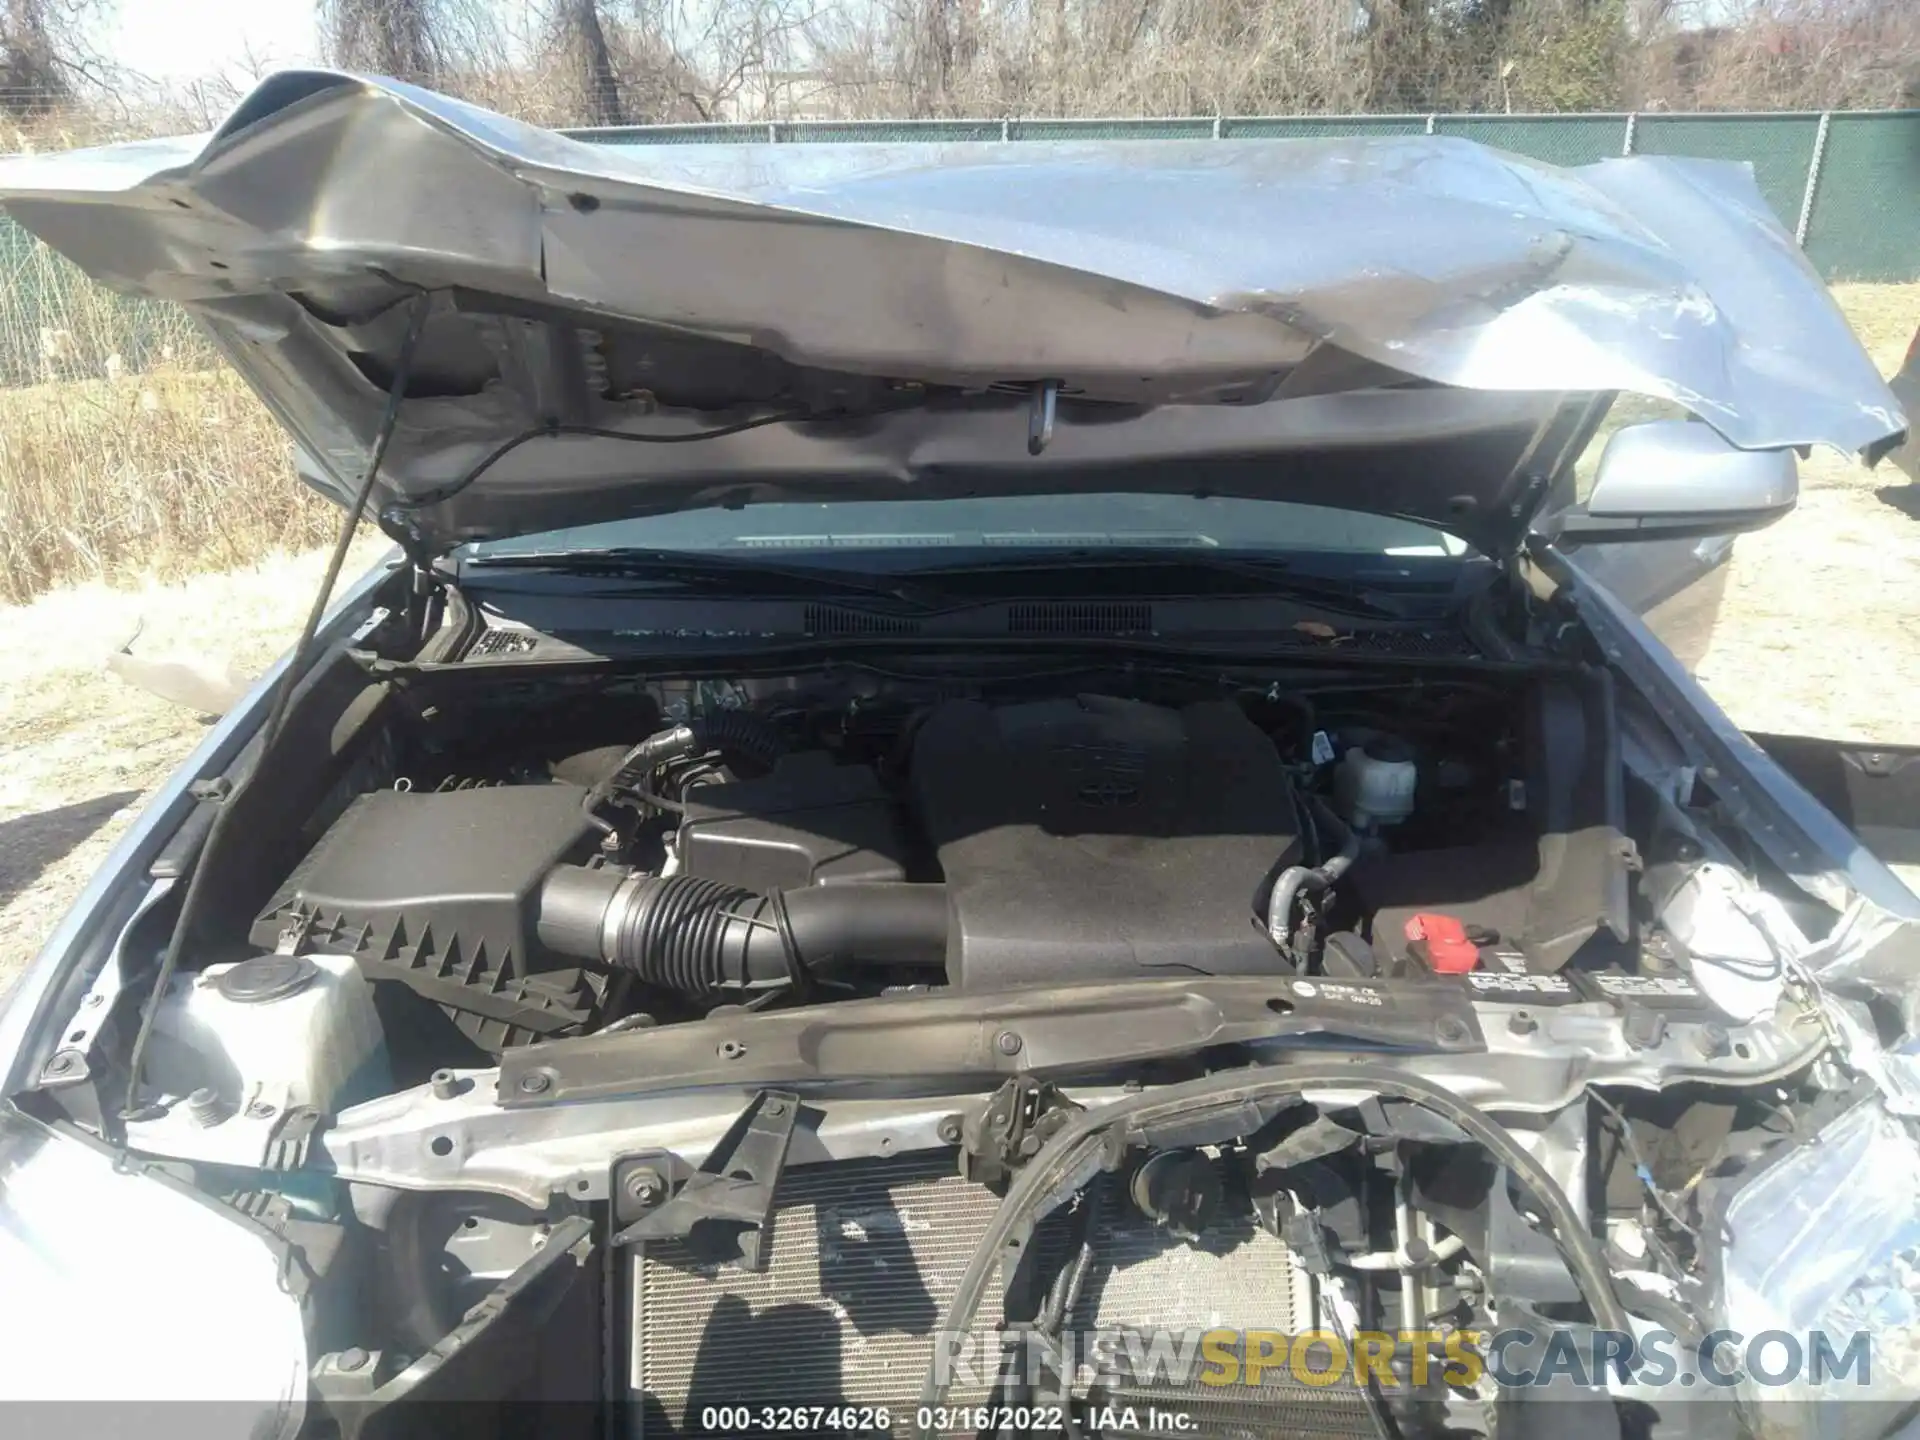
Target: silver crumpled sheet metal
[[1662, 276]]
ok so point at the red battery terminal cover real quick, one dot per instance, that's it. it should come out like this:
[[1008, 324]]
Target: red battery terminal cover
[[1441, 941]]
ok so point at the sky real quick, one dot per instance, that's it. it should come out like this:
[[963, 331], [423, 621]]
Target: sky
[[183, 40]]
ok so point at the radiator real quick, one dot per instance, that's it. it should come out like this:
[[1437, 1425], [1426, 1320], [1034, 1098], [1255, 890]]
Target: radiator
[[864, 1259]]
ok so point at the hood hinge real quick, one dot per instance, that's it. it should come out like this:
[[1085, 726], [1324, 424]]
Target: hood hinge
[[400, 527]]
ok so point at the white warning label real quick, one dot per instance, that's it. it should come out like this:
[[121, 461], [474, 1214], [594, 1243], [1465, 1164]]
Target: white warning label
[[1491, 980]]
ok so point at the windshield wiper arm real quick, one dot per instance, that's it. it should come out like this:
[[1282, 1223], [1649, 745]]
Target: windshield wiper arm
[[694, 569]]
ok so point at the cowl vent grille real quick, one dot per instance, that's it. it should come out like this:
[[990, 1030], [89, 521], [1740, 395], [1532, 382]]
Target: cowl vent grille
[[1439, 644], [1080, 618], [838, 620]]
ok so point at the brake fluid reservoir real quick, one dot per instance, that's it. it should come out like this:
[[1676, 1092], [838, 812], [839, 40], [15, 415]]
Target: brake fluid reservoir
[[1374, 783], [281, 1030]]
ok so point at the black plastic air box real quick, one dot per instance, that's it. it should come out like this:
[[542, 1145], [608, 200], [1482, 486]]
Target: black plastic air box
[[435, 891]]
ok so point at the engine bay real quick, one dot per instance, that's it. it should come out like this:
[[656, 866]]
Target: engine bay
[[844, 880], [768, 998], [804, 839]]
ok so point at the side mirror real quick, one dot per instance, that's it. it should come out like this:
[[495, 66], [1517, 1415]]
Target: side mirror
[[1673, 480]]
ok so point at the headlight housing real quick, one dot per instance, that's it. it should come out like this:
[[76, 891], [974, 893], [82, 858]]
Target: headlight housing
[[1825, 1245], [118, 1288]]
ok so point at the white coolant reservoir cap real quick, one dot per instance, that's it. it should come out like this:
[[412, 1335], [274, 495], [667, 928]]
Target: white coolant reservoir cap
[[1374, 783], [1733, 934]]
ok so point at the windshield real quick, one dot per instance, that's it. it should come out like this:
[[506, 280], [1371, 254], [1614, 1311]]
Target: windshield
[[916, 533]]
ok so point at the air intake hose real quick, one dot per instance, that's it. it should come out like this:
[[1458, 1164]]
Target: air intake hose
[[701, 937], [735, 735]]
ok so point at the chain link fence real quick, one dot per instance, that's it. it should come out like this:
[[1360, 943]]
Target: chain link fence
[[1846, 184], [57, 325]]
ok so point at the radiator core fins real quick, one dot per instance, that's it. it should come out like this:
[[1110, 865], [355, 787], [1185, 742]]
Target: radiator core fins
[[865, 1257]]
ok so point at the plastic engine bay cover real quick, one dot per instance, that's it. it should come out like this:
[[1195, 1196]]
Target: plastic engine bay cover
[[1097, 837]]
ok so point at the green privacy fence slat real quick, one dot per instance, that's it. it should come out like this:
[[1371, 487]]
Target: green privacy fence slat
[[1865, 223], [1557, 139], [1319, 127], [840, 132], [1111, 129], [1779, 147]]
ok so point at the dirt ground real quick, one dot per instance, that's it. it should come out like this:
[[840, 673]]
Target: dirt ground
[[82, 749], [1819, 634]]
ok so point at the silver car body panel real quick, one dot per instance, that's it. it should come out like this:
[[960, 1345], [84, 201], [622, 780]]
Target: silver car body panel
[[182, 1305], [1152, 275]]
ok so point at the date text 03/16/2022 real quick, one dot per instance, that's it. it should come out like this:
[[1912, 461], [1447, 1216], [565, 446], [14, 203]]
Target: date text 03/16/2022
[[935, 1419]]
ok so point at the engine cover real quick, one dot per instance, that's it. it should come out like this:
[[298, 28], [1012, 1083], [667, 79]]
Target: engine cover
[[1096, 837]]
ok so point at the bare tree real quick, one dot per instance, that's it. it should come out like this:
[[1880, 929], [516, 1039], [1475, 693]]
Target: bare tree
[[1783, 54], [611, 62], [383, 37], [735, 59], [584, 38], [46, 56]]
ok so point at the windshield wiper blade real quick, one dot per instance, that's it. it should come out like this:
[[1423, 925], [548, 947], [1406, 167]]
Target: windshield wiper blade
[[732, 574]]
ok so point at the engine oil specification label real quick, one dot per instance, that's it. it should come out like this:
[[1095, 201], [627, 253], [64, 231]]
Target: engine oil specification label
[[1340, 992]]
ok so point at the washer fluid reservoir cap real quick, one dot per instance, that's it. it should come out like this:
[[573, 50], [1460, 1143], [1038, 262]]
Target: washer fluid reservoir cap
[[265, 978]]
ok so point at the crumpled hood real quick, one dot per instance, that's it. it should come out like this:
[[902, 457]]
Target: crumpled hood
[[1273, 318]]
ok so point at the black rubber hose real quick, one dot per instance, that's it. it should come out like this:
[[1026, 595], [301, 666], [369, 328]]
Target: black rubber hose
[[1305, 719], [739, 735], [1298, 878], [1076, 1154], [700, 937], [735, 735]]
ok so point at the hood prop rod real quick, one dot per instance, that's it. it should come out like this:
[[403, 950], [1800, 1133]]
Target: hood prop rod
[[298, 662]]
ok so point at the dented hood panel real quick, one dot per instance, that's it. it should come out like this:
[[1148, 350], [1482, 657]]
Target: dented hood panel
[[1252, 317]]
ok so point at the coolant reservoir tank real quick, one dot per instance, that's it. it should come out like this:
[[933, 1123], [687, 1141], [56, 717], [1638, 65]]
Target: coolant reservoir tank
[[280, 1030], [1374, 783]]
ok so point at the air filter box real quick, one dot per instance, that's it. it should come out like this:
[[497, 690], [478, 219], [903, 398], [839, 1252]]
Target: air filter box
[[435, 891]]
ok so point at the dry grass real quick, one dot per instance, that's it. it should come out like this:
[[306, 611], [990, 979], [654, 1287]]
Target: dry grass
[[165, 474], [135, 453], [83, 750]]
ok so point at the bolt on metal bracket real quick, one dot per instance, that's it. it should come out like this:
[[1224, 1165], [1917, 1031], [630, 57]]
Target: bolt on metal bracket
[[730, 1197]]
